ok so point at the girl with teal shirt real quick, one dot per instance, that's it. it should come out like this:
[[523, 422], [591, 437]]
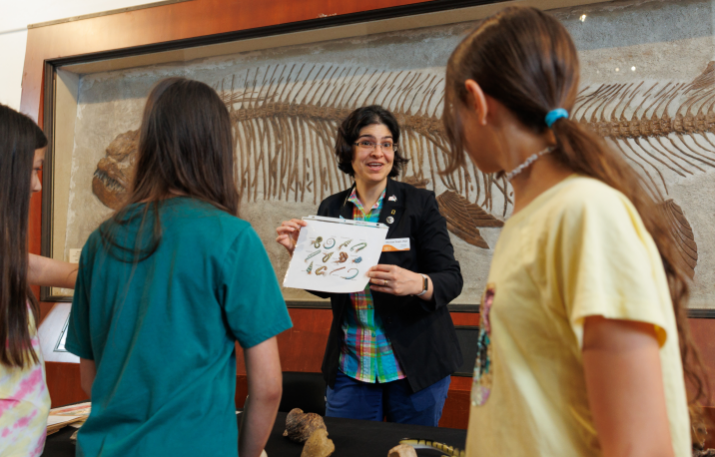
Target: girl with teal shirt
[[167, 286]]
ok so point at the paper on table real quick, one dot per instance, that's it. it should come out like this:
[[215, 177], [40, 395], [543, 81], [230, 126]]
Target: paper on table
[[57, 420], [78, 409], [333, 255]]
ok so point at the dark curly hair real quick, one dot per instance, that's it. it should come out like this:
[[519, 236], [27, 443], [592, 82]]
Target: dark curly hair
[[349, 132]]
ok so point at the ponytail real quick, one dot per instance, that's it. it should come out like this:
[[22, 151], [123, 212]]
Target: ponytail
[[588, 154]]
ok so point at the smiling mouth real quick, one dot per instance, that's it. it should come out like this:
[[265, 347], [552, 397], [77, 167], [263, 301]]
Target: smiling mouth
[[375, 165]]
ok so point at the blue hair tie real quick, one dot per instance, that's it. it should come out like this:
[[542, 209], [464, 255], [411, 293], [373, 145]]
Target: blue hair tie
[[554, 115]]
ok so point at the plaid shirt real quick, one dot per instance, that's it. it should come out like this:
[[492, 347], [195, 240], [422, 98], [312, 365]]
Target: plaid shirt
[[366, 353]]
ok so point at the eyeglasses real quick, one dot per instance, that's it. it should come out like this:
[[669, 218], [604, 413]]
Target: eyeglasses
[[368, 145]]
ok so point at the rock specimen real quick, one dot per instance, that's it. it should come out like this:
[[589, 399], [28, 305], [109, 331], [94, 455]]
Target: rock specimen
[[402, 450], [318, 445], [300, 426]]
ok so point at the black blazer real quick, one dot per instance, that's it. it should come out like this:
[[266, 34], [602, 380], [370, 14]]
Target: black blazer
[[422, 333]]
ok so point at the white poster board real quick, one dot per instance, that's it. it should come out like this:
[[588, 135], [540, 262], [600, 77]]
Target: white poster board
[[53, 333], [334, 255]]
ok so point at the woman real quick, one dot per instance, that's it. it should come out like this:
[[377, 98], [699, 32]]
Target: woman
[[24, 399], [581, 337], [392, 347], [165, 291]]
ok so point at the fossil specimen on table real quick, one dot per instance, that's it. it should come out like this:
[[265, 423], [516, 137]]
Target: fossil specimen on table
[[285, 118], [318, 445], [402, 450], [300, 426]]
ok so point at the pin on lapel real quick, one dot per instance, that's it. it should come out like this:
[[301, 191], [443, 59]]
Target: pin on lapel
[[390, 219], [392, 198]]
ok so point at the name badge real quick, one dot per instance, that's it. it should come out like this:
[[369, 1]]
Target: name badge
[[396, 244]]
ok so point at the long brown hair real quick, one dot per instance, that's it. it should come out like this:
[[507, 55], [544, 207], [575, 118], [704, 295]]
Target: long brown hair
[[19, 137], [185, 148], [525, 59]]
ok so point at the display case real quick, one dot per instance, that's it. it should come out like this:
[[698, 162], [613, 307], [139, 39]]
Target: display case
[[647, 80]]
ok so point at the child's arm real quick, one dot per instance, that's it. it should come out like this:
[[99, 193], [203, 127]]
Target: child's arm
[[625, 388], [44, 271], [87, 372], [265, 386]]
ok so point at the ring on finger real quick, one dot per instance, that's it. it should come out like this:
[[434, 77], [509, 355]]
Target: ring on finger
[[385, 281]]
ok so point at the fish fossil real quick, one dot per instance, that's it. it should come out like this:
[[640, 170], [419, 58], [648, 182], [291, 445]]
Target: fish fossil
[[284, 119]]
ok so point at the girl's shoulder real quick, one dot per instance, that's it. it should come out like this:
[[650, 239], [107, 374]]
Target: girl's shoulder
[[581, 194]]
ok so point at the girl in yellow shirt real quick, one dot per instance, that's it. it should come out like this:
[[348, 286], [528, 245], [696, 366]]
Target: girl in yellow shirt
[[583, 343]]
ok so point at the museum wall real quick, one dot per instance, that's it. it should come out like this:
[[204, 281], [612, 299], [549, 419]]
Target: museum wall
[[15, 18]]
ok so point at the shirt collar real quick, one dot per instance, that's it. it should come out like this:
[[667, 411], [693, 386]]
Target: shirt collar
[[353, 198]]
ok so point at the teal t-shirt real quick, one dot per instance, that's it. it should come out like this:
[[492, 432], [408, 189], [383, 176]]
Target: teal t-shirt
[[162, 331]]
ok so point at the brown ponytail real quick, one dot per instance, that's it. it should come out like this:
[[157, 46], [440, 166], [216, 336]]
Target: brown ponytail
[[526, 59]]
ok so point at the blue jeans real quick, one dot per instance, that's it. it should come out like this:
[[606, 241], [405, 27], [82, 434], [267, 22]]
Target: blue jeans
[[395, 401]]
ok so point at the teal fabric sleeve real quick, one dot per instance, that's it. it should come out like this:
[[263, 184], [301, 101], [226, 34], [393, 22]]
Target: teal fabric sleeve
[[252, 299]]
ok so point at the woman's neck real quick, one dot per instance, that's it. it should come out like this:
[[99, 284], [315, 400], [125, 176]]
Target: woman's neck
[[369, 193]]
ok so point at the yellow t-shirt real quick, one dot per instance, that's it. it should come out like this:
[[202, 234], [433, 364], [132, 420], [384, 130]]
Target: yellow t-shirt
[[579, 249]]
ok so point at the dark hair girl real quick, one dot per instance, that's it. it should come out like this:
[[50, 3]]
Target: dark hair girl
[[24, 400], [596, 341], [185, 148], [19, 138], [166, 288]]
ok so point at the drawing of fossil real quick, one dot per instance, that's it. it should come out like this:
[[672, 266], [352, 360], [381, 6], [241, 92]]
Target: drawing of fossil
[[358, 247], [285, 118]]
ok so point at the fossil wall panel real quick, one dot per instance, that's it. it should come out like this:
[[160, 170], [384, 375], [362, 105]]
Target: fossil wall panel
[[648, 84]]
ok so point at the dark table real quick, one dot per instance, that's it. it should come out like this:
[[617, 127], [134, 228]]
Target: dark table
[[352, 438]]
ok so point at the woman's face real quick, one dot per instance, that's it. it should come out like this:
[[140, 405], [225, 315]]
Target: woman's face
[[374, 154], [36, 185]]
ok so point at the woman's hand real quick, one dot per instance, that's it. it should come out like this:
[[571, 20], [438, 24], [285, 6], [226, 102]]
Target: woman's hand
[[288, 233], [391, 279]]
